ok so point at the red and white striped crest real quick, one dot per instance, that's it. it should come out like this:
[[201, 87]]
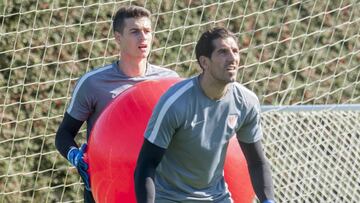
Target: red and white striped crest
[[232, 119]]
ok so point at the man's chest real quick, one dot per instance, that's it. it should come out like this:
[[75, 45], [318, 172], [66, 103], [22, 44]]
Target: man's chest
[[210, 127]]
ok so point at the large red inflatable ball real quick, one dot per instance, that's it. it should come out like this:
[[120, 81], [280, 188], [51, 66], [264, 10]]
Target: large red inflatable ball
[[117, 137], [237, 175]]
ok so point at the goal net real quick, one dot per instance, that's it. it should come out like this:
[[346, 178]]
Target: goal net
[[295, 55], [314, 153]]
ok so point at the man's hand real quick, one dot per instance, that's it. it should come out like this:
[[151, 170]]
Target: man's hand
[[76, 158]]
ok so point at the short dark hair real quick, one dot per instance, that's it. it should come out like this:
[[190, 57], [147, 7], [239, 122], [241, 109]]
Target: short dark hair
[[205, 46], [128, 12]]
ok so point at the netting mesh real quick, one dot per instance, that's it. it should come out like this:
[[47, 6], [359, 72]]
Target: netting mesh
[[314, 155], [292, 52]]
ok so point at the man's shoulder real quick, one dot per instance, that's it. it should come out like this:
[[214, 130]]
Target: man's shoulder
[[176, 98], [244, 93], [182, 86], [158, 68], [155, 69], [99, 70], [91, 77], [179, 90]]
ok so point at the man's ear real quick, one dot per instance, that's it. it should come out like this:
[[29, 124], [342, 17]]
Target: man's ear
[[204, 62], [117, 36]]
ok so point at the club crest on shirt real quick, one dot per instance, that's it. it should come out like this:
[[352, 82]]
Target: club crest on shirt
[[232, 120]]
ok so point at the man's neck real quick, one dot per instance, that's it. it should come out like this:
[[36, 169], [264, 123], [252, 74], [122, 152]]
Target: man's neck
[[133, 68], [212, 89]]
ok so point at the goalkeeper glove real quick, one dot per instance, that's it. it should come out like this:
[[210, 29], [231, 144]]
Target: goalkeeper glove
[[76, 158]]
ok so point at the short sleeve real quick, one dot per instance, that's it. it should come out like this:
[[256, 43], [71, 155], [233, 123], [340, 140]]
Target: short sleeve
[[162, 124], [80, 106], [251, 130]]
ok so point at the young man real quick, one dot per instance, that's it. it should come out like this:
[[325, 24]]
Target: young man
[[182, 158], [97, 88]]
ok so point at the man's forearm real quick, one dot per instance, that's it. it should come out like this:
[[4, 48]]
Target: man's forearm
[[262, 181], [149, 158], [144, 187], [64, 138], [259, 170]]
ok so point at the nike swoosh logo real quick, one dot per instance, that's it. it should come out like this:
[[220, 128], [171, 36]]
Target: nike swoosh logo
[[194, 123]]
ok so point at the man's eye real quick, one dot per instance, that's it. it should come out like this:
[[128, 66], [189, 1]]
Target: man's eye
[[222, 51]]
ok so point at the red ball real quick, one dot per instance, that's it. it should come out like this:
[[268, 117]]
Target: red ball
[[237, 175], [117, 137]]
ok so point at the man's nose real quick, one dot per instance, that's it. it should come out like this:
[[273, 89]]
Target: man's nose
[[233, 56], [142, 35]]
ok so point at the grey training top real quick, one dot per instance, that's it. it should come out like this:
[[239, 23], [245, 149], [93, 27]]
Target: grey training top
[[195, 132], [97, 88]]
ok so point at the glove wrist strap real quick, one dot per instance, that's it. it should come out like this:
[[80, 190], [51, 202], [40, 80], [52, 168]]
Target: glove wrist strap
[[70, 155]]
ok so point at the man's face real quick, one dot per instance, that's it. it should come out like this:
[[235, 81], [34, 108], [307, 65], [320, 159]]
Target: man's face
[[135, 40], [224, 62]]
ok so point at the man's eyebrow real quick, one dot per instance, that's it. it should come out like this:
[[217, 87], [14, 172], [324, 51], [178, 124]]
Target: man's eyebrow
[[137, 29], [223, 49]]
